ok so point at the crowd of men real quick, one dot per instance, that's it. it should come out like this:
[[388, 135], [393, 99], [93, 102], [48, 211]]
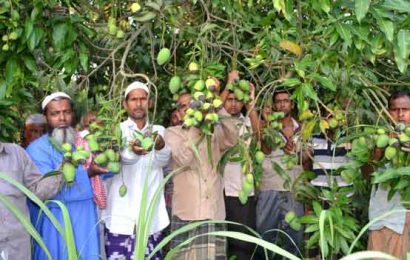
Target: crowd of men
[[104, 221]]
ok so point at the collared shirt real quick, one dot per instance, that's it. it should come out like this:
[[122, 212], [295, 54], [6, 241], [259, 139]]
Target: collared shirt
[[122, 213], [233, 177], [198, 191], [14, 240], [271, 180]]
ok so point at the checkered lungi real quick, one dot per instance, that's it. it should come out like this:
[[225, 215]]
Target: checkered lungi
[[204, 247], [121, 247]]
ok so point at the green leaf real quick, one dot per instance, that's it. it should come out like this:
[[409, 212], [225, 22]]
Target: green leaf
[[401, 6], [387, 27], [325, 5], [28, 28], [325, 82], [30, 64], [308, 91], [403, 43], [84, 53], [59, 34], [344, 32], [361, 8], [290, 82], [12, 70], [146, 17]]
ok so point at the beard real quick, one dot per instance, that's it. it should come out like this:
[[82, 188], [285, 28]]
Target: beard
[[63, 135]]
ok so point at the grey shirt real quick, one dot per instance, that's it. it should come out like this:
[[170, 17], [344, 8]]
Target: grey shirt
[[14, 240]]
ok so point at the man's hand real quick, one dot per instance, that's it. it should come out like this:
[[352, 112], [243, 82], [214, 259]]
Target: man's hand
[[290, 147], [95, 169], [251, 104], [138, 150], [159, 142]]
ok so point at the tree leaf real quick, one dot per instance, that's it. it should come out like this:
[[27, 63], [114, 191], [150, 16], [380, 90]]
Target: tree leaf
[[325, 82], [403, 43], [387, 27], [291, 47], [290, 82], [325, 5], [344, 32], [402, 6], [361, 8], [59, 34]]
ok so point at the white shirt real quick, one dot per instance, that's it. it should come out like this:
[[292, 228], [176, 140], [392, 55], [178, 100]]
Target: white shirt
[[121, 214], [233, 178]]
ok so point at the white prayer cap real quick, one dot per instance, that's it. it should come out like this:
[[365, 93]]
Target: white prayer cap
[[136, 85], [53, 96], [35, 119]]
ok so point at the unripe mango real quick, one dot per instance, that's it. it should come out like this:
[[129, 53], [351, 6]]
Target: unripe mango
[[244, 85], [147, 143], [163, 56], [390, 153], [199, 85], [243, 197], [382, 141], [333, 123], [249, 178], [66, 147], [101, 159], [238, 94], [247, 187], [174, 84], [110, 153], [259, 157], [193, 67], [198, 116], [114, 167], [68, 172], [123, 190], [217, 103]]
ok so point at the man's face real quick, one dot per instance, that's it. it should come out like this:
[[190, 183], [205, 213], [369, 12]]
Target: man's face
[[282, 103], [399, 109], [59, 114], [183, 104], [232, 105], [136, 104], [33, 131]]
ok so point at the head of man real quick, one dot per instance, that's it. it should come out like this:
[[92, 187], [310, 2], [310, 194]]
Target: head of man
[[282, 102], [59, 112], [34, 127], [136, 101], [183, 104], [232, 105], [399, 107]]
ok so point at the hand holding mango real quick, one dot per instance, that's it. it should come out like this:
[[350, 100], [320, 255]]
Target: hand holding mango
[[71, 160]]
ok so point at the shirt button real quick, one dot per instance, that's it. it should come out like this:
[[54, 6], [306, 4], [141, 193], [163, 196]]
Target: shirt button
[[207, 197]]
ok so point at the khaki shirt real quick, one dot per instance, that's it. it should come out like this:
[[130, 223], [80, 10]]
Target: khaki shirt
[[198, 191], [14, 240]]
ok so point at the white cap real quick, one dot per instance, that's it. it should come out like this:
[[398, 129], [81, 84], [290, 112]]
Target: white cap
[[53, 96], [136, 85], [35, 119]]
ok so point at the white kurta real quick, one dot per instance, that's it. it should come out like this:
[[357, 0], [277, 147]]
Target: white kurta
[[121, 214]]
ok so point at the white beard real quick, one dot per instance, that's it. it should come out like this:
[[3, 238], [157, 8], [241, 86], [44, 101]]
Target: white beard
[[64, 135]]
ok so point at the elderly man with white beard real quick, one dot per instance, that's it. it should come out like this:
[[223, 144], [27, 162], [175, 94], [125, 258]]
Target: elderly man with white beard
[[77, 198]]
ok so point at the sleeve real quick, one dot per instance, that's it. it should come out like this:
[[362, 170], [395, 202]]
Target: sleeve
[[226, 133], [44, 188], [180, 146]]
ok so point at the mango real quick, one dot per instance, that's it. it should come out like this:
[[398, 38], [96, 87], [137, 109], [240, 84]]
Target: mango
[[206, 106], [229, 86], [174, 84], [193, 67], [381, 131], [120, 34], [101, 159], [94, 146], [163, 56], [404, 138], [210, 82], [407, 130], [390, 152], [147, 143], [68, 172], [249, 178], [217, 103], [290, 216], [246, 98], [198, 116], [110, 153], [66, 147], [259, 157], [247, 187], [243, 198], [198, 95], [382, 141], [244, 85], [123, 190], [238, 94], [333, 123], [135, 7], [114, 167], [400, 127]]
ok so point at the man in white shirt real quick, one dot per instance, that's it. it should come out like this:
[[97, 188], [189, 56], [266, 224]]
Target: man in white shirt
[[140, 169]]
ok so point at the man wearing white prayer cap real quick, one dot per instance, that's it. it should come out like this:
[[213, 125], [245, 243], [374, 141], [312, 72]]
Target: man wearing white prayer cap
[[137, 164], [34, 127], [47, 154]]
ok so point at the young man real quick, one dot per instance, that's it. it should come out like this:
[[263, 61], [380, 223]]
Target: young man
[[233, 178], [15, 242], [275, 200], [34, 127], [139, 167], [198, 189], [59, 113], [391, 234]]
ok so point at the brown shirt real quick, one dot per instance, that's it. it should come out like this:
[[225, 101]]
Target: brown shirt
[[198, 191], [14, 240]]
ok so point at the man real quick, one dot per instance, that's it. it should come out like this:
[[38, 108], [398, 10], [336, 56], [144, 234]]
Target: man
[[140, 167], [34, 127], [275, 200], [77, 198], [391, 234], [198, 189], [233, 178], [15, 242]]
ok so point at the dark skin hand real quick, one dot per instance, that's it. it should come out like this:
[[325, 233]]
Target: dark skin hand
[[95, 169], [159, 144]]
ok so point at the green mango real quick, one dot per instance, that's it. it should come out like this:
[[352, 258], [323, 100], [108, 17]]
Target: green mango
[[163, 56], [199, 85], [333, 123], [198, 116], [110, 153], [123, 190], [390, 153], [381, 131], [249, 178], [229, 86], [193, 67], [101, 159], [290, 216], [382, 141], [94, 146], [247, 187], [217, 103], [174, 84], [210, 82], [66, 147], [238, 94], [114, 167], [147, 143], [407, 131], [244, 85], [68, 172], [404, 138], [243, 198], [259, 157]]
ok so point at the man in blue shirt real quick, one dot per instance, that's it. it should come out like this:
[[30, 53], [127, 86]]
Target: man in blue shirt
[[77, 198]]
